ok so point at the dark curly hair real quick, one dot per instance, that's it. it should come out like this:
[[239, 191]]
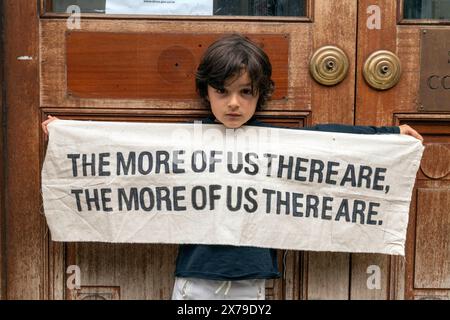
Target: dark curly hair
[[229, 57]]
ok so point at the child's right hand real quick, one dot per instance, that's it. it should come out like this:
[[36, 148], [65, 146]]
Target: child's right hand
[[45, 123]]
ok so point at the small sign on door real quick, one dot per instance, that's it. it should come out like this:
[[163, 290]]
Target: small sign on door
[[435, 70], [160, 7]]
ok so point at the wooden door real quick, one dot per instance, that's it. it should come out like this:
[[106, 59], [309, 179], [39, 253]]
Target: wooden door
[[425, 273], [2, 169], [106, 70]]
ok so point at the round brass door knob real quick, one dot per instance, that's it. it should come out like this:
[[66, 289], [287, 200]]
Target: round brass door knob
[[329, 65], [382, 70]]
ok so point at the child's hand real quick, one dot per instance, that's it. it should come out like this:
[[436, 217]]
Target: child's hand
[[45, 123], [405, 129]]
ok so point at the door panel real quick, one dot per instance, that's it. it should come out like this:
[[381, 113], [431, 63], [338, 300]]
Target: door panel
[[153, 65], [77, 66], [2, 172], [432, 254]]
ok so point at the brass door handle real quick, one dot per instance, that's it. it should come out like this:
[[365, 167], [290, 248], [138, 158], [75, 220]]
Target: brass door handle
[[329, 65], [382, 70]]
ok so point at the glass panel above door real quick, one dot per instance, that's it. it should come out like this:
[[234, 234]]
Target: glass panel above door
[[86, 6], [276, 8], [426, 9], [252, 8]]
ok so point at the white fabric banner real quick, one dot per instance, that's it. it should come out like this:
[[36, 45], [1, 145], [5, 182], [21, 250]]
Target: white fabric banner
[[252, 186], [160, 7]]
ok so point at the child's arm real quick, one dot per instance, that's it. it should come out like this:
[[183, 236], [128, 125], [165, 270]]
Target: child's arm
[[403, 129]]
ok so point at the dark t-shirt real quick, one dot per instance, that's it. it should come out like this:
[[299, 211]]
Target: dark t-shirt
[[222, 262]]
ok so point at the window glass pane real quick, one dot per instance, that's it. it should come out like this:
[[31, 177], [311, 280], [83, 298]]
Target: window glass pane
[[277, 8], [86, 6], [264, 8], [427, 9]]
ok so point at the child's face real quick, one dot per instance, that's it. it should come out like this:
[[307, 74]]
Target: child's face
[[234, 104]]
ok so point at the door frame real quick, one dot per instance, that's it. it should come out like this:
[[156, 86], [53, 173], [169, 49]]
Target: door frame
[[25, 229], [2, 167]]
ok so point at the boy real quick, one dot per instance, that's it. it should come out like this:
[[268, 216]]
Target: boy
[[233, 81]]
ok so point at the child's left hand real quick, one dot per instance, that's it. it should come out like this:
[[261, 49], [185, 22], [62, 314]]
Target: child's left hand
[[405, 129]]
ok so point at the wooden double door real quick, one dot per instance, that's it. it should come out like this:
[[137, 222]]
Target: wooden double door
[[141, 68]]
